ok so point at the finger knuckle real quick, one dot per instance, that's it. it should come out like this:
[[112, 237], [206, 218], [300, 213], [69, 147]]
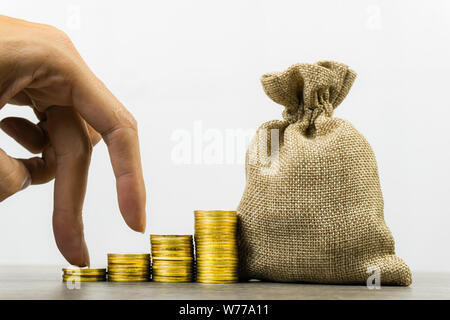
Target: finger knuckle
[[57, 33], [127, 120], [84, 153]]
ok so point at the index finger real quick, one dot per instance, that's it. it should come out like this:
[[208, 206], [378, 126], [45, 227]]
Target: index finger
[[98, 106]]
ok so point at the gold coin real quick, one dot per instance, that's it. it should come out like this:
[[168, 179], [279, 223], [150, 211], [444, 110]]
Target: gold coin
[[127, 268], [217, 258], [141, 259], [209, 264], [172, 263], [168, 238], [215, 267], [216, 222], [173, 274], [208, 231], [217, 264], [212, 278], [220, 236], [128, 261], [215, 212], [175, 247], [127, 274], [87, 271], [216, 254], [143, 256], [157, 264], [166, 279], [143, 272], [160, 267], [216, 281], [83, 275], [171, 253], [84, 279], [172, 243], [218, 245], [174, 258], [217, 274], [129, 279]]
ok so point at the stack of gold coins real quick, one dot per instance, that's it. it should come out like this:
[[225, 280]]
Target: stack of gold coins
[[173, 258], [83, 275], [216, 246], [129, 267]]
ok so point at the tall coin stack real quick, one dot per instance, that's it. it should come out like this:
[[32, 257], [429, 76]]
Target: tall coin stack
[[83, 275], [129, 267], [173, 258], [216, 246]]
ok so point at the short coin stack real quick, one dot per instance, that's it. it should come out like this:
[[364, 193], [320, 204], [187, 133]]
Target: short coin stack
[[83, 275], [216, 246], [173, 258], [129, 267]]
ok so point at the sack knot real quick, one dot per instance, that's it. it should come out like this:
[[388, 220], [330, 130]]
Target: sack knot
[[308, 90]]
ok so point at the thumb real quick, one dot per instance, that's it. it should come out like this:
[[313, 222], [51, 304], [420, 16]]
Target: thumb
[[13, 176]]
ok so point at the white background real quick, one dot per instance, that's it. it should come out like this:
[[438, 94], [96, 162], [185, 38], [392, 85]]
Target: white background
[[173, 63]]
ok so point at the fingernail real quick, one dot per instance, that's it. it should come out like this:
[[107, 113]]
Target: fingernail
[[86, 258], [7, 128], [26, 182]]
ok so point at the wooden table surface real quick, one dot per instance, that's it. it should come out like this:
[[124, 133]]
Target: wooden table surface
[[39, 282]]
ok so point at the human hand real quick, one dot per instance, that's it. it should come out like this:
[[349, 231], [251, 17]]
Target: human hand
[[40, 67]]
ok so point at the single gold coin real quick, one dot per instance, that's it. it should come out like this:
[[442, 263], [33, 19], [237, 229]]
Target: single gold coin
[[206, 246], [217, 276], [143, 256], [216, 268], [86, 271], [174, 264], [127, 268], [216, 237], [214, 221], [170, 279], [159, 265], [172, 274], [217, 224], [175, 247], [118, 279], [173, 258], [170, 238], [172, 243], [130, 262], [162, 253], [129, 273], [215, 212], [217, 258], [209, 231], [216, 281], [217, 264], [83, 279]]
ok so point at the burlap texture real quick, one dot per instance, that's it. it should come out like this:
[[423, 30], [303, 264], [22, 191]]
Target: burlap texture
[[314, 213]]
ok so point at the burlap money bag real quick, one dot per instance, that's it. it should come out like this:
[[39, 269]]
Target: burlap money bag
[[313, 211]]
